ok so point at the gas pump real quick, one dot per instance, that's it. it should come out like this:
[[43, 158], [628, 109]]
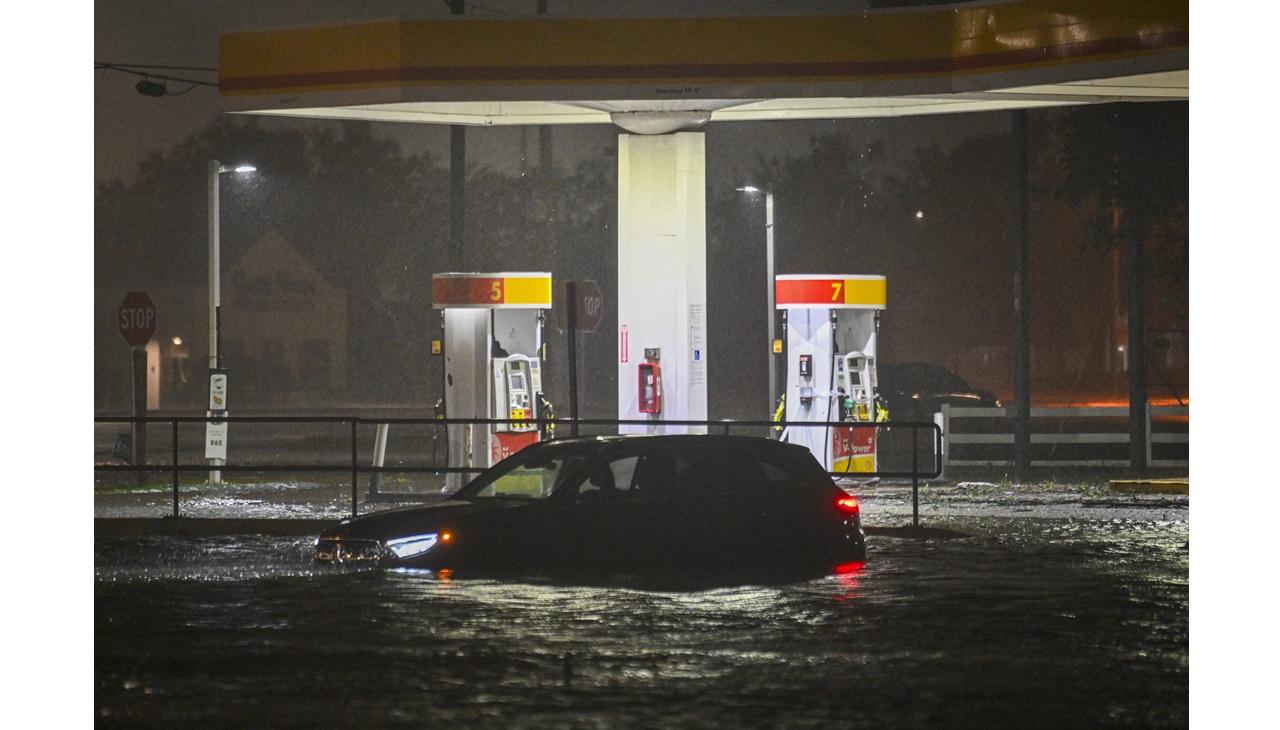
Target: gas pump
[[517, 380], [517, 387], [853, 449], [855, 383], [493, 348], [831, 327]]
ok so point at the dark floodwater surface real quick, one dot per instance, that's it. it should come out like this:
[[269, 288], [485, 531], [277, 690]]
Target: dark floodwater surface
[[1030, 623]]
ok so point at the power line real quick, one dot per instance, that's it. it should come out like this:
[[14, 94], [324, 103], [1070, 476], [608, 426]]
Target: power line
[[147, 72], [106, 64]]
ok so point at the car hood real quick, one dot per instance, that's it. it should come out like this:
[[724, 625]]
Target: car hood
[[981, 396], [411, 520]]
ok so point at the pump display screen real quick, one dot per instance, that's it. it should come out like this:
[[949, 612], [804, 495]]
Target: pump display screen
[[855, 378], [517, 382]]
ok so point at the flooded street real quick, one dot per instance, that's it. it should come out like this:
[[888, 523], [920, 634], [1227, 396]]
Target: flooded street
[[1053, 615]]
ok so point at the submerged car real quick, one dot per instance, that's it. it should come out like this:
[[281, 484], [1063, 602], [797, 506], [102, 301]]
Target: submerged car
[[621, 504]]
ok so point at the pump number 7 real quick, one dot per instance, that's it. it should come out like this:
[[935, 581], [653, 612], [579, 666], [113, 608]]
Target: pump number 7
[[836, 287]]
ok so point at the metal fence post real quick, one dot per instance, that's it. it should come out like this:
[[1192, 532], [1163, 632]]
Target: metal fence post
[[1147, 431], [379, 456], [915, 477], [943, 421], [355, 467], [175, 467]]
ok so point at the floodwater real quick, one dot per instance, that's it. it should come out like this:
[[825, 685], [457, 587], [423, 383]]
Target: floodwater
[[1031, 621]]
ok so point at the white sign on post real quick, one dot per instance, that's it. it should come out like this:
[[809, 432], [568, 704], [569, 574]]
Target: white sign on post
[[215, 432], [215, 440], [218, 390]]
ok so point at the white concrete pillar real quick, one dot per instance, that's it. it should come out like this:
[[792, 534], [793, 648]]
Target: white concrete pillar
[[662, 274]]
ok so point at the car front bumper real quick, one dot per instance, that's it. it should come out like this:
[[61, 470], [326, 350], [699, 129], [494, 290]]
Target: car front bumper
[[342, 550]]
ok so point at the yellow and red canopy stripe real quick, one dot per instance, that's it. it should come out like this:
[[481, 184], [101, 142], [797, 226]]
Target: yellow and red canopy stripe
[[920, 43], [836, 292], [514, 290]]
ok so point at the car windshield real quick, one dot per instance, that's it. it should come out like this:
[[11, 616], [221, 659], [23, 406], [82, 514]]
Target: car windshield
[[535, 477]]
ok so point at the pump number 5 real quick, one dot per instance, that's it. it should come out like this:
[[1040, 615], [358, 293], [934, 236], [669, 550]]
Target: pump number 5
[[836, 287], [495, 290]]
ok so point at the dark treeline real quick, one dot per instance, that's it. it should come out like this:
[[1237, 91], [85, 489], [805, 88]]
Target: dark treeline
[[372, 219]]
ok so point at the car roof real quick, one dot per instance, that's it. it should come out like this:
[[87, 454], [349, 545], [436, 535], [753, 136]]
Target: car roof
[[647, 442]]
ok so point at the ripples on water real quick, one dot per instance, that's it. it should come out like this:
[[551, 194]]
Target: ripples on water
[[1029, 623]]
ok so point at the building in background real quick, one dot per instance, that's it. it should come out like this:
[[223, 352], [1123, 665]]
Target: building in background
[[284, 330]]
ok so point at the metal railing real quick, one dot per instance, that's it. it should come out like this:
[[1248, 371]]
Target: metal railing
[[349, 461], [1091, 445]]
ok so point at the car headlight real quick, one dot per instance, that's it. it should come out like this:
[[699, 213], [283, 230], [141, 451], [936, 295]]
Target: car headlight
[[407, 547]]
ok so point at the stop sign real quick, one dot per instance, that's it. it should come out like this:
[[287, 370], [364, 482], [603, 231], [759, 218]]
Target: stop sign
[[590, 305], [588, 308], [137, 318]]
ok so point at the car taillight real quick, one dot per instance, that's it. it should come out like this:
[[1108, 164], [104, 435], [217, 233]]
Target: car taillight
[[848, 505]]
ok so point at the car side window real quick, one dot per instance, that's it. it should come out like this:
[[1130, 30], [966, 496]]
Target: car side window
[[609, 479], [776, 475], [655, 476]]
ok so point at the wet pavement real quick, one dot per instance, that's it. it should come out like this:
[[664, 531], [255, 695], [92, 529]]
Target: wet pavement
[[1063, 606]]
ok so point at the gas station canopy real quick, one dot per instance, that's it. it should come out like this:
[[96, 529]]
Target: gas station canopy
[[658, 75]]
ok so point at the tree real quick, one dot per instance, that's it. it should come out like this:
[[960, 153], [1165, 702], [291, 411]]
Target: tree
[[371, 218], [360, 210], [1131, 163]]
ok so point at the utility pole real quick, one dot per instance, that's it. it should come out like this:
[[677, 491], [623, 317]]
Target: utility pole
[[212, 430], [1136, 348], [457, 174], [1021, 299], [773, 298]]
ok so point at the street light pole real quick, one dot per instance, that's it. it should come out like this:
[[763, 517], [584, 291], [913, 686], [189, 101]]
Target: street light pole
[[772, 295], [773, 303], [215, 448], [215, 300], [215, 263], [768, 282]]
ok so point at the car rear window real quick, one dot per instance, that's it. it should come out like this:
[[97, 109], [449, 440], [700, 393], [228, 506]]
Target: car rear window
[[716, 471], [776, 475]]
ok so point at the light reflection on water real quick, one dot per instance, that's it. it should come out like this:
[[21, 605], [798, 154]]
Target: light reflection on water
[[1051, 623]]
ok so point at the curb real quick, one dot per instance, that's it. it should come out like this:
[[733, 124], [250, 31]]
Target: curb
[[1152, 486]]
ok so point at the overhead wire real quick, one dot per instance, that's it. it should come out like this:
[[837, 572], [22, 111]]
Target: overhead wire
[[148, 71]]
